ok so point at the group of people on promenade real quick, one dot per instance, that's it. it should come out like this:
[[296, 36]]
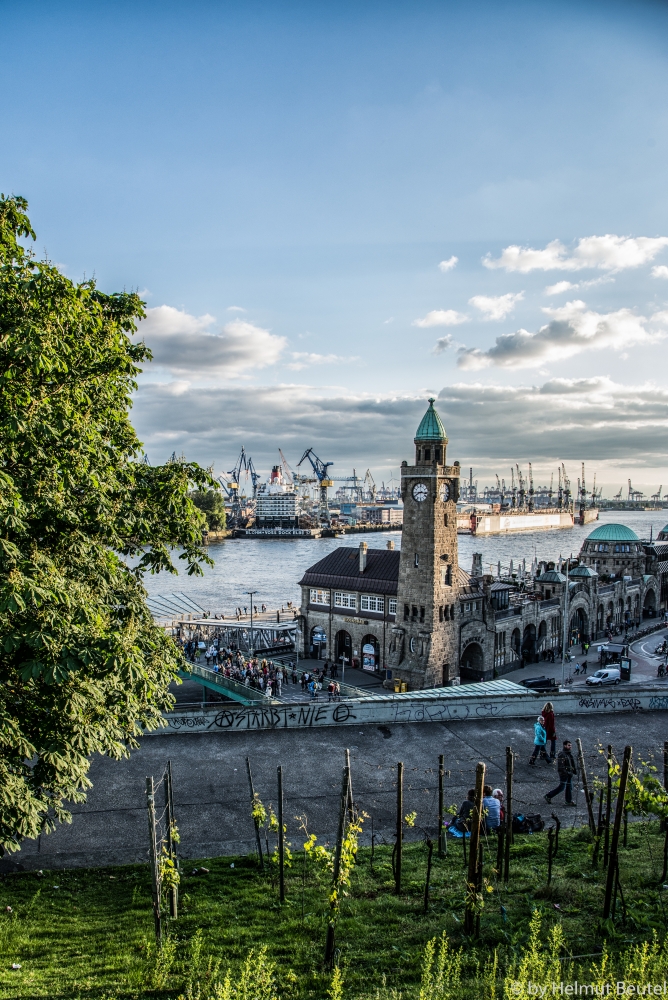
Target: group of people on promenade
[[262, 674], [492, 803]]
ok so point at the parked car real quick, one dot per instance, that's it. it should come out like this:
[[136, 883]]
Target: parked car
[[607, 675], [539, 684]]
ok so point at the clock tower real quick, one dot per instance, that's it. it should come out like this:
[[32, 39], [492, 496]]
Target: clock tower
[[424, 648]]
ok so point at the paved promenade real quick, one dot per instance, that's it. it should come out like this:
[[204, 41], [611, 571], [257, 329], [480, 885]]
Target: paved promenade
[[211, 791]]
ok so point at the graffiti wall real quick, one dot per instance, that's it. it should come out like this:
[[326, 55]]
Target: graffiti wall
[[409, 708]]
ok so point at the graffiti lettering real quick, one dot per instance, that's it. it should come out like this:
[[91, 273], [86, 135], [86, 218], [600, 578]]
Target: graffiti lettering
[[187, 722], [614, 704], [660, 704]]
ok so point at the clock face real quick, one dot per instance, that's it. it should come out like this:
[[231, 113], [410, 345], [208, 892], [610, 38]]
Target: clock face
[[420, 492], [444, 492]]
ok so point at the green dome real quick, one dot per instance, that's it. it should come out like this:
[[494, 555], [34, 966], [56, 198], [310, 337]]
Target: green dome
[[551, 576], [663, 534], [613, 533], [583, 571], [431, 427]]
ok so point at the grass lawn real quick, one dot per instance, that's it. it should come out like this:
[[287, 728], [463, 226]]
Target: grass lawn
[[89, 933]]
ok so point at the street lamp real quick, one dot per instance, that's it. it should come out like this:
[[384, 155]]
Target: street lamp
[[565, 631], [252, 644]]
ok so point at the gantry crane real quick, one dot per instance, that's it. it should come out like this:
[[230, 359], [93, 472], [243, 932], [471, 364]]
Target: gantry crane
[[324, 482]]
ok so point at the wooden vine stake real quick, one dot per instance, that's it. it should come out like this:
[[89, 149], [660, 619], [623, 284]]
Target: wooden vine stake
[[585, 787], [509, 812], [473, 873], [442, 842], [614, 844], [427, 881], [608, 809], [333, 906], [153, 853], [281, 837], [171, 847], [255, 822], [400, 827]]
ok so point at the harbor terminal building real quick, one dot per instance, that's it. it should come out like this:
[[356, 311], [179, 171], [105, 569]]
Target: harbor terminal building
[[419, 617]]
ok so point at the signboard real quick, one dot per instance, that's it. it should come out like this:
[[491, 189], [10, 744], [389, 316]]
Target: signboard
[[368, 657]]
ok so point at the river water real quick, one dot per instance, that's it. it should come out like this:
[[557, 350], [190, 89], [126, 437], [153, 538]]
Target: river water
[[273, 567]]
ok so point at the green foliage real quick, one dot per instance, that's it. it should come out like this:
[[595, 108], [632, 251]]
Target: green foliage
[[538, 964], [256, 980], [169, 875], [259, 812], [441, 971], [84, 669], [92, 937], [212, 505]]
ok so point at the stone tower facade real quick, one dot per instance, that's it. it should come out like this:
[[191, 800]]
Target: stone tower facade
[[424, 649]]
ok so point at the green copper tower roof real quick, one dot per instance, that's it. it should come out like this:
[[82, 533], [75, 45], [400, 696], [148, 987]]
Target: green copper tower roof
[[431, 427], [613, 533]]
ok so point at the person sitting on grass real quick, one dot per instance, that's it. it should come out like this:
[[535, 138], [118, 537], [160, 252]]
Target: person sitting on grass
[[463, 821], [492, 810]]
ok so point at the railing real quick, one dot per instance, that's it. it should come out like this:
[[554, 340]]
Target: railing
[[508, 612], [226, 685]]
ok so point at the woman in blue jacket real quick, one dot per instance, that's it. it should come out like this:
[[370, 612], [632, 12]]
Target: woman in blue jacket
[[539, 741]]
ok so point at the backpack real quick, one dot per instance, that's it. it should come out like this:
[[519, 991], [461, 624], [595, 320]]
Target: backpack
[[527, 824]]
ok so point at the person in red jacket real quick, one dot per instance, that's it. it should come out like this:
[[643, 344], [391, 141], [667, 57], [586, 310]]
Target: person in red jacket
[[550, 731]]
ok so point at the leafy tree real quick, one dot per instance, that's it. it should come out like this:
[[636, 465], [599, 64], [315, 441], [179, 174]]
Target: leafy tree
[[212, 506], [83, 667]]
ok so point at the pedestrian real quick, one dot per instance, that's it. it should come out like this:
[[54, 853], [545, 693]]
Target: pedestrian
[[566, 770], [550, 731], [539, 740], [492, 810]]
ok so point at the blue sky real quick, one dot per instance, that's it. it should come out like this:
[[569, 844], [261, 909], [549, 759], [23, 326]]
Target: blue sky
[[282, 182]]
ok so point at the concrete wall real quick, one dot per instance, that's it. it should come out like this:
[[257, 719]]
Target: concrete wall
[[449, 705]]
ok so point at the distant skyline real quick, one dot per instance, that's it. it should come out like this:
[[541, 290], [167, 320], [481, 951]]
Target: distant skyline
[[334, 211]]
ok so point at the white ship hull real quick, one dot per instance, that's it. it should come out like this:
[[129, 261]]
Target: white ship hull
[[506, 522]]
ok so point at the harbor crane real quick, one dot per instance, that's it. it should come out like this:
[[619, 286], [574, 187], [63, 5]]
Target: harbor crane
[[370, 484], [244, 465], [657, 496], [567, 487], [530, 487], [324, 482], [635, 495], [618, 496]]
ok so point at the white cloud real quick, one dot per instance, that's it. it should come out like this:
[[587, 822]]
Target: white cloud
[[496, 306], [568, 286], [441, 317], [447, 265], [442, 344], [236, 309], [660, 271], [572, 329], [184, 344], [303, 359], [561, 286], [606, 253], [594, 419]]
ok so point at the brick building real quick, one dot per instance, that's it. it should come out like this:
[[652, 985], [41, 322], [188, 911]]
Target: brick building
[[417, 615]]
